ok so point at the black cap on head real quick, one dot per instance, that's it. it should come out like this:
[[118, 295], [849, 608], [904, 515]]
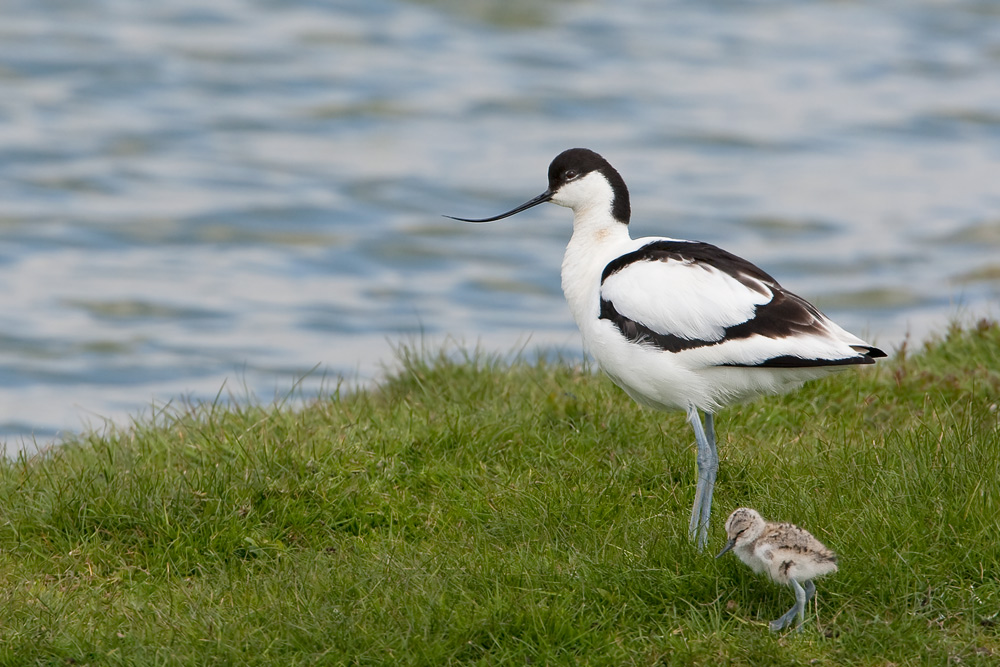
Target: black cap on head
[[568, 166], [576, 162]]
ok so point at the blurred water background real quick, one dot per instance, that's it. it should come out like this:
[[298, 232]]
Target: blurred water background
[[244, 195]]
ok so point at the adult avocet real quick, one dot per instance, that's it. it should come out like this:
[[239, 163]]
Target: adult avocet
[[682, 324]]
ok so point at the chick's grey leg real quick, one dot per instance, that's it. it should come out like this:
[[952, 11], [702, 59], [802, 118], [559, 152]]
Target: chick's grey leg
[[799, 609], [810, 590]]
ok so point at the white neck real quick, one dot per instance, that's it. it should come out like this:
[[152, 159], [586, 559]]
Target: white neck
[[597, 239]]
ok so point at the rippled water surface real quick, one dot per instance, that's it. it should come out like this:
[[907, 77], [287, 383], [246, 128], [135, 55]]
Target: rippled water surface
[[243, 193]]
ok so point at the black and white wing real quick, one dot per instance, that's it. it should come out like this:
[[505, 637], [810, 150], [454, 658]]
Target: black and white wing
[[682, 296]]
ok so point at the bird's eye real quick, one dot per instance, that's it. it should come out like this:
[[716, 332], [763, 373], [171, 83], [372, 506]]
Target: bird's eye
[[570, 174]]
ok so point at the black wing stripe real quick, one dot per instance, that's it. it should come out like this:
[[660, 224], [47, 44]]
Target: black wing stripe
[[785, 315], [791, 361], [706, 254], [636, 332]]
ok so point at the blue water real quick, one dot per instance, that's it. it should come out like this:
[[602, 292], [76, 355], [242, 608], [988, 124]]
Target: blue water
[[238, 195]]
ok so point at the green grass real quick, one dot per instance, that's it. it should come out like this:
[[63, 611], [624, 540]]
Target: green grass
[[476, 511]]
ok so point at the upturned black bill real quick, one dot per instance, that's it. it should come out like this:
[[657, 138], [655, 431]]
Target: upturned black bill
[[540, 199]]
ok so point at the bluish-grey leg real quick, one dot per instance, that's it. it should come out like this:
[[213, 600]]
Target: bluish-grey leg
[[710, 436], [798, 610], [810, 590], [708, 466]]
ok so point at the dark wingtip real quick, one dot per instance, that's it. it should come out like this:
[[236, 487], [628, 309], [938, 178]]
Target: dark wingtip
[[869, 354]]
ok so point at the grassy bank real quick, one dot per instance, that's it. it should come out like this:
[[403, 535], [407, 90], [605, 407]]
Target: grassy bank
[[472, 511]]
